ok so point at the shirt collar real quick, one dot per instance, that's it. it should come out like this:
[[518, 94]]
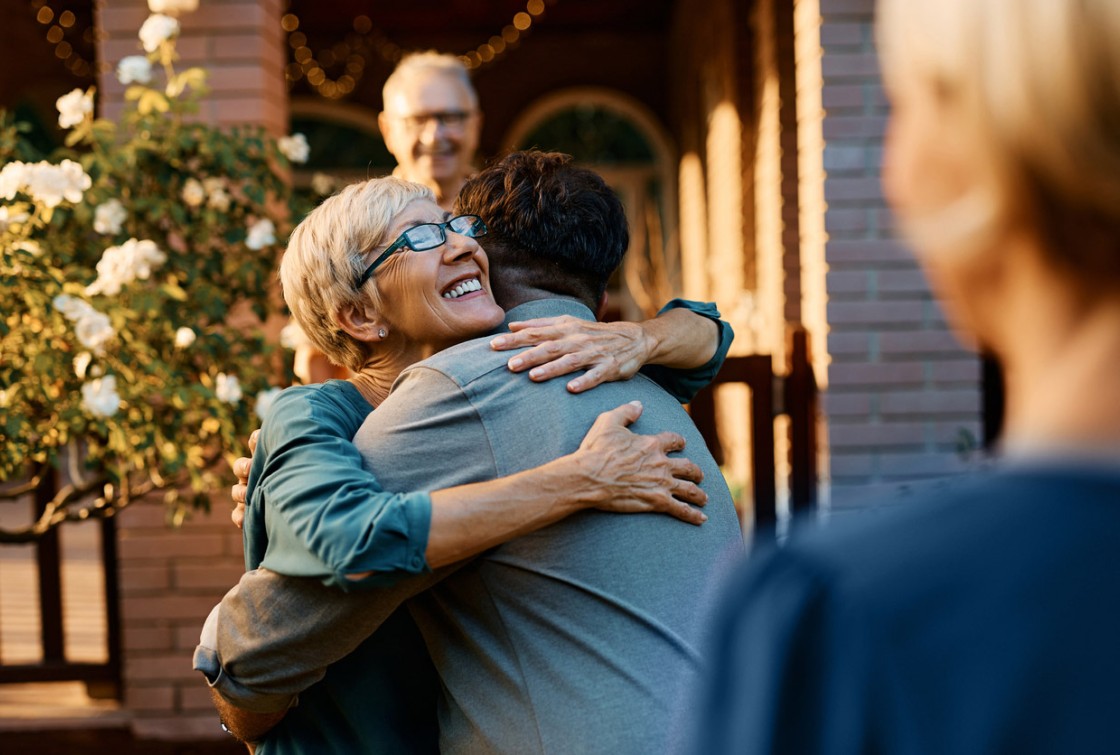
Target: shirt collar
[[551, 307]]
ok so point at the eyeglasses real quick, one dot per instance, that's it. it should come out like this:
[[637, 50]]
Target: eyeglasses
[[421, 238], [446, 119]]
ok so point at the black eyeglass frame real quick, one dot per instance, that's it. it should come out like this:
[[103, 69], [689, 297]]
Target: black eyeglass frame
[[475, 228], [449, 119]]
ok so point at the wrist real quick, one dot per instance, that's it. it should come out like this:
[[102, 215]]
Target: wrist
[[652, 341], [582, 481]]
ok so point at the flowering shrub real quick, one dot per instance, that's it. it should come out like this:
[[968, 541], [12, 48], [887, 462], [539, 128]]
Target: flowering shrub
[[136, 270]]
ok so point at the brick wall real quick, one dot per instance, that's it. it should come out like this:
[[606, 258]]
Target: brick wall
[[171, 578], [239, 42], [901, 392]]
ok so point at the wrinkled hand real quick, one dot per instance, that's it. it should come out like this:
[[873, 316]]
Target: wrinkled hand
[[562, 345], [238, 491], [636, 472]]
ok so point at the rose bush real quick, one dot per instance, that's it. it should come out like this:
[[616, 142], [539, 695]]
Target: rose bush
[[136, 270]]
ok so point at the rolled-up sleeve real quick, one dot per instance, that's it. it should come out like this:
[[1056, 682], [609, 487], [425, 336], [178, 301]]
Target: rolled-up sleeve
[[683, 385], [273, 636], [323, 513]]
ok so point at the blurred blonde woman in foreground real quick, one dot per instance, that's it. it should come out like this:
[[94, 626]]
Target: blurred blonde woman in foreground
[[985, 618]]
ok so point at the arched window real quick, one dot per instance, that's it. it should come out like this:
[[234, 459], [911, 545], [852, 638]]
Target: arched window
[[345, 142], [618, 138]]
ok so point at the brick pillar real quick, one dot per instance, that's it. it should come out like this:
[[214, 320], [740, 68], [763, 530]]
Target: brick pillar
[[901, 392], [171, 577], [239, 42]]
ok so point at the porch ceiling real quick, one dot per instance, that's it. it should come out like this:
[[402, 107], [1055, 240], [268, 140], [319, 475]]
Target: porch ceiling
[[436, 18]]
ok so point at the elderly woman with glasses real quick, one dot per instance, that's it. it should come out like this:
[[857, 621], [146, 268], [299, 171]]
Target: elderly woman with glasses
[[378, 316], [379, 278]]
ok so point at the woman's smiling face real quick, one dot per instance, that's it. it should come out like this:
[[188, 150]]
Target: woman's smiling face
[[439, 297]]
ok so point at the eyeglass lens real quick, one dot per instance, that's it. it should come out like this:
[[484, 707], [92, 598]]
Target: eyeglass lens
[[430, 235], [447, 119]]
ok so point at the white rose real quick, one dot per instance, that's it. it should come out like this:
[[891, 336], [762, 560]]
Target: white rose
[[31, 247], [172, 6], [193, 193], [264, 401], [218, 200], [7, 218], [294, 147], [71, 307], [261, 234], [156, 30], [123, 264], [109, 217], [184, 337], [73, 107], [292, 336], [227, 388], [134, 69], [94, 330], [81, 364], [13, 177], [100, 397], [51, 184]]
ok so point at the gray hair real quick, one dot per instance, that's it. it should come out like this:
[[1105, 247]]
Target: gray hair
[[329, 250], [430, 61]]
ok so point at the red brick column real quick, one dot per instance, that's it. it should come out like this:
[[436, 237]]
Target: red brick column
[[171, 577], [239, 42], [901, 390]]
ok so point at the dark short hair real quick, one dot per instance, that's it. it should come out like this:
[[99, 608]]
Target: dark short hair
[[553, 226]]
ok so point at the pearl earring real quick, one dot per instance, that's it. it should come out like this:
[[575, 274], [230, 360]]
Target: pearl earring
[[381, 333]]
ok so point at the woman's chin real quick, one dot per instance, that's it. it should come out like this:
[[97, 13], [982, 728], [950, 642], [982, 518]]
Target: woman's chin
[[475, 315]]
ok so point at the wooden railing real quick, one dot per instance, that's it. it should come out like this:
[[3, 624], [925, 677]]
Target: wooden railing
[[794, 395], [102, 680]]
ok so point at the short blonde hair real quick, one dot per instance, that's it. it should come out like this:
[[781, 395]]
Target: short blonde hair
[[430, 61], [329, 250], [1036, 84]]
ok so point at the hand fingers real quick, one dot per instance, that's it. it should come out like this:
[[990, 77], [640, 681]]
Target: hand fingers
[[543, 353], [253, 441], [528, 333], [621, 416], [588, 380], [241, 468], [565, 365], [689, 492], [670, 441], [536, 322], [238, 515], [686, 513], [683, 469], [237, 493]]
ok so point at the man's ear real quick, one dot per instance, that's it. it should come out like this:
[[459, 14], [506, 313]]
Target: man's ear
[[601, 310], [362, 322], [382, 124]]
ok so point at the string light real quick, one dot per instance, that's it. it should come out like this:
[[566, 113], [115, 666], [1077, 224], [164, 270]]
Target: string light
[[350, 55], [60, 27]]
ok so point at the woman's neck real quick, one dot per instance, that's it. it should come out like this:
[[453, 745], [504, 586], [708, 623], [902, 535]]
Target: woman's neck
[[1063, 374], [379, 373]]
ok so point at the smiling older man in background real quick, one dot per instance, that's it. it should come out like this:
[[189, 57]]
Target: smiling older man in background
[[431, 123]]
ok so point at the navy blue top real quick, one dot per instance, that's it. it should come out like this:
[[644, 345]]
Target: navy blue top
[[978, 619]]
